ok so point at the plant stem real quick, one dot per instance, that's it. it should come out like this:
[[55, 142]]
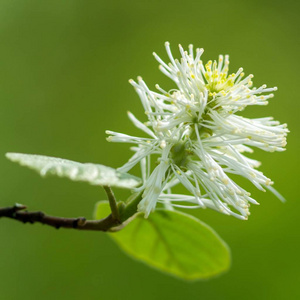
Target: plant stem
[[115, 221], [112, 203], [131, 206], [17, 212]]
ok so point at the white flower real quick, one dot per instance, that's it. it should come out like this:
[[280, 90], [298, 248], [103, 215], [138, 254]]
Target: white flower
[[198, 138]]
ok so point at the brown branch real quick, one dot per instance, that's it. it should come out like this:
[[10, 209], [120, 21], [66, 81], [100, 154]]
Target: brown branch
[[17, 212]]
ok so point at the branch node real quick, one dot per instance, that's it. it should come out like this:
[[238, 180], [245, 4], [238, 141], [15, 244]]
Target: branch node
[[19, 206], [81, 221], [40, 215]]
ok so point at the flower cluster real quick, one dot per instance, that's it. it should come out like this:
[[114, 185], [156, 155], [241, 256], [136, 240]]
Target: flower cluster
[[197, 139]]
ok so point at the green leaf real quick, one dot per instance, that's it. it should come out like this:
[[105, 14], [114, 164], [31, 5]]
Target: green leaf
[[173, 242], [102, 210], [92, 173]]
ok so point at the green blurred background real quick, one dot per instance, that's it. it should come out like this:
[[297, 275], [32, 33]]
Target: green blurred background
[[64, 76]]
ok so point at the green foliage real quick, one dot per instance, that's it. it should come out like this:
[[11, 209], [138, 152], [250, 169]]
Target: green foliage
[[173, 242], [92, 173]]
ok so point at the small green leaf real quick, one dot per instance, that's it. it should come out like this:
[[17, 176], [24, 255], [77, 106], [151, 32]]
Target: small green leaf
[[176, 243], [102, 210], [92, 173]]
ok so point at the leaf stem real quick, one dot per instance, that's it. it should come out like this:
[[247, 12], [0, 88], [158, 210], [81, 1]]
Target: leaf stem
[[112, 203]]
